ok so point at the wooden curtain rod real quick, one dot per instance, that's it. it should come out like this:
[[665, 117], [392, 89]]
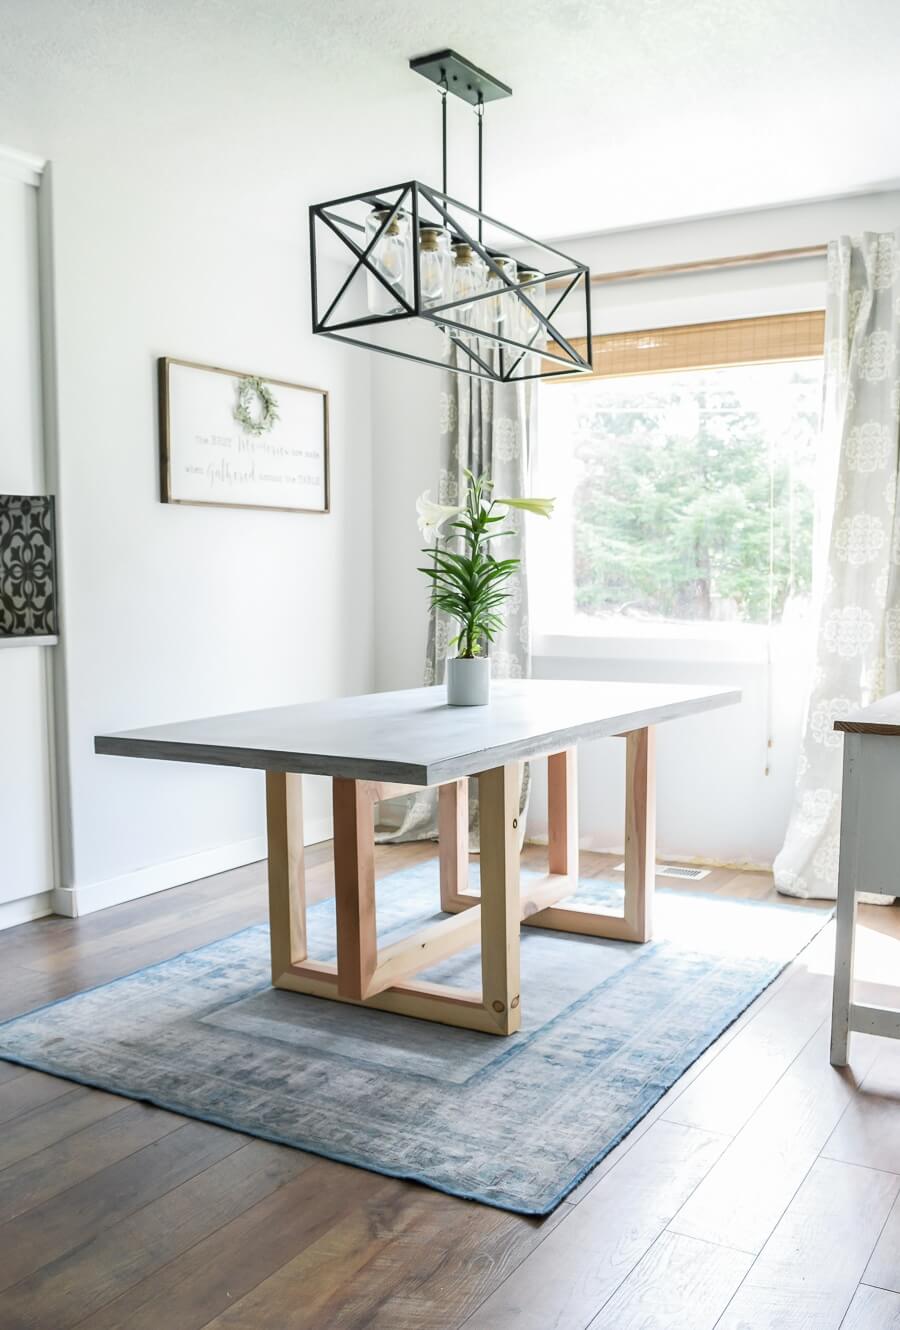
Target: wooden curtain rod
[[707, 265]]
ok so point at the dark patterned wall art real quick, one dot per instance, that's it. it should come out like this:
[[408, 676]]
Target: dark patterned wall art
[[28, 594]]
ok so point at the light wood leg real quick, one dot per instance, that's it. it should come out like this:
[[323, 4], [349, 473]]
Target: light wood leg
[[498, 797], [386, 980], [354, 886], [845, 928], [562, 812], [640, 831], [287, 884], [635, 924], [453, 842]]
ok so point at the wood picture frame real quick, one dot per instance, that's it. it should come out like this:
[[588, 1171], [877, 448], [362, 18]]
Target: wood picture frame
[[193, 464]]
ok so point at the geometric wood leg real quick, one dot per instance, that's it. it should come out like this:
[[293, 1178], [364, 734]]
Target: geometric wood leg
[[287, 885], [640, 831], [498, 801], [386, 979], [635, 923], [354, 887], [453, 842], [562, 811]]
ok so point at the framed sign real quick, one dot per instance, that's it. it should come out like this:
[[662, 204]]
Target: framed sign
[[240, 441]]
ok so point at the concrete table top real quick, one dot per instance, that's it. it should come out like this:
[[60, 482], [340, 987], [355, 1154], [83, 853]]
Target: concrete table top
[[413, 737]]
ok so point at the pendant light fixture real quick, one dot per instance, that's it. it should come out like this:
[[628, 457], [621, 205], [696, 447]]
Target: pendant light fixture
[[410, 271]]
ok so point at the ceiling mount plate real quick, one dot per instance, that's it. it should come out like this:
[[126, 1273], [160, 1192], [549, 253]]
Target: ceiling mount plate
[[463, 78]]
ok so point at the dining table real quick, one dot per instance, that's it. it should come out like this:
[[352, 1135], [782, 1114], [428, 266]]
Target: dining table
[[381, 745]]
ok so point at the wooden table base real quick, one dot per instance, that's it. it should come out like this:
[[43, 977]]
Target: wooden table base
[[384, 978]]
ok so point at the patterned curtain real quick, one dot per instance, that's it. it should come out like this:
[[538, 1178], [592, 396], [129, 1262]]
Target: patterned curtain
[[488, 429], [858, 644]]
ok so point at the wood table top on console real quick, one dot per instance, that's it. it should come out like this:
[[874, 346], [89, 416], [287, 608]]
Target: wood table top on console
[[882, 717], [413, 736], [385, 744]]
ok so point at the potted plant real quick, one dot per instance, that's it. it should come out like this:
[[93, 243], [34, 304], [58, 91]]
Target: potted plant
[[468, 583]]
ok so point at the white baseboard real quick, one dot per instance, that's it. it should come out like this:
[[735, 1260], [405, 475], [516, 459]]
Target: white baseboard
[[84, 899], [593, 846], [23, 911]]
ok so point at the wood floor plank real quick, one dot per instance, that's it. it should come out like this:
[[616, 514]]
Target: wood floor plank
[[300, 1293], [53, 1121], [25, 1093], [873, 1309], [869, 1131], [56, 1226], [735, 1084], [44, 1174], [572, 1273], [884, 1265], [767, 1161], [73, 1287], [148, 934], [444, 1257], [9, 1071], [217, 1272], [808, 1271], [681, 1284]]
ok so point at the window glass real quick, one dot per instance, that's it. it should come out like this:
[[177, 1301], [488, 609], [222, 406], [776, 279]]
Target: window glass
[[684, 497]]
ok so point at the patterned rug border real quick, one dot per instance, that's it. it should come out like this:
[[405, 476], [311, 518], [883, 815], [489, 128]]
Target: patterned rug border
[[824, 916]]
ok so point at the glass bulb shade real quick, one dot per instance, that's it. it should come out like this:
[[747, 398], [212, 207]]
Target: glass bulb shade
[[528, 328], [392, 256], [435, 264], [469, 278], [503, 307]]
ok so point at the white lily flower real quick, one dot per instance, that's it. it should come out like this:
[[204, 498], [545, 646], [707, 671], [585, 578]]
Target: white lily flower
[[431, 516]]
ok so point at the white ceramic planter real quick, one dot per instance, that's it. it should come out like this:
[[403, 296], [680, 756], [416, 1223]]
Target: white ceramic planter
[[469, 682]]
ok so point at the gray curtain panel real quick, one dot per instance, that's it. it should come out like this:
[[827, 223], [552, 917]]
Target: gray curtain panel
[[857, 566], [487, 428]]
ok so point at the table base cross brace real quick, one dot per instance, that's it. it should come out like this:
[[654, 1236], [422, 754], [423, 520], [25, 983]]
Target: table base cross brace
[[385, 978]]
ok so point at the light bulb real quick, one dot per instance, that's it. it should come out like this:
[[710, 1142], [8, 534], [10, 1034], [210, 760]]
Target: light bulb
[[432, 275], [500, 307], [529, 328], [390, 254]]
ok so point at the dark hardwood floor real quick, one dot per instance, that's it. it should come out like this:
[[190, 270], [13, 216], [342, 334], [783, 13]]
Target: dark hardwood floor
[[762, 1191]]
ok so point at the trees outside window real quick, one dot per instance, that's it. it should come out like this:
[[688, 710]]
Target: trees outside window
[[690, 494]]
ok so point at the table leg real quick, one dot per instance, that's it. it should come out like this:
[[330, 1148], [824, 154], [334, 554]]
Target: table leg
[[354, 887], [287, 884], [845, 929], [386, 979], [498, 798], [640, 831], [562, 812], [453, 843]]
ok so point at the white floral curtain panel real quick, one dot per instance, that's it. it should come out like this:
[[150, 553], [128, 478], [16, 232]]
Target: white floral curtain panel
[[488, 429], [858, 645]]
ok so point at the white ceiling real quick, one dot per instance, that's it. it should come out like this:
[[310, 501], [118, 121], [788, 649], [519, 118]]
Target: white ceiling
[[623, 113]]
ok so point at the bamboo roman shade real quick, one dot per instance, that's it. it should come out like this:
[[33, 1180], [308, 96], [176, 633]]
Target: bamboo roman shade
[[706, 345]]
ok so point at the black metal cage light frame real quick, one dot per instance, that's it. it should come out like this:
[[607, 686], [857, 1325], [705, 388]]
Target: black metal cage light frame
[[529, 345]]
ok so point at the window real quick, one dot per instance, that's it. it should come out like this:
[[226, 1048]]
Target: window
[[684, 473]]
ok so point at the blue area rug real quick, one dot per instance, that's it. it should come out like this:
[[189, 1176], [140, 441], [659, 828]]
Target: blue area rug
[[607, 1028]]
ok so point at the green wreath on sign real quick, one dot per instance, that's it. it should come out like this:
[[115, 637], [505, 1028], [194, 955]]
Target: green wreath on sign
[[257, 408]]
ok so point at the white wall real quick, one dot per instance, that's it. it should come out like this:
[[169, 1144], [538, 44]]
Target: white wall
[[185, 143], [182, 163], [26, 813], [716, 802]]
